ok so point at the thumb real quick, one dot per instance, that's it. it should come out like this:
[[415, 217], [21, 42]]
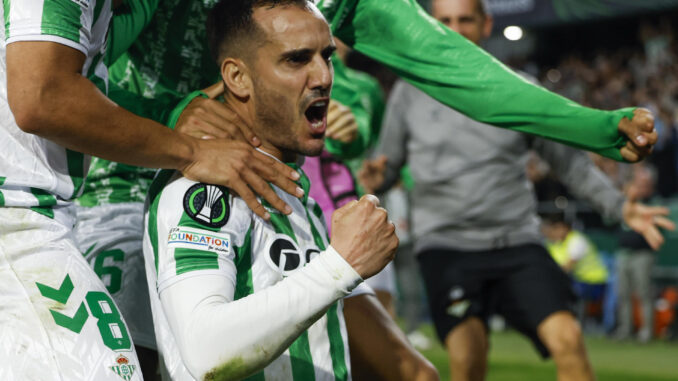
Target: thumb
[[215, 90]]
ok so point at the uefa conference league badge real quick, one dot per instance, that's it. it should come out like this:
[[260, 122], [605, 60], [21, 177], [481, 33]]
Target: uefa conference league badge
[[207, 204]]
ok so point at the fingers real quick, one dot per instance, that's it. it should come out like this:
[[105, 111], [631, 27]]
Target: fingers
[[641, 133], [630, 154], [215, 90], [664, 223], [346, 134], [657, 210], [261, 187], [653, 237], [277, 173], [251, 200]]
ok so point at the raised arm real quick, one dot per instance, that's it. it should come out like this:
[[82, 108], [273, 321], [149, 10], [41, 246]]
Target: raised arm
[[451, 69]]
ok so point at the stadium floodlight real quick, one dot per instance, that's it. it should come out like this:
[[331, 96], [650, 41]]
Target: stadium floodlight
[[513, 33]]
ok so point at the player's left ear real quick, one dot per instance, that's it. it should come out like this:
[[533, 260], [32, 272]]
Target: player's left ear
[[236, 76]]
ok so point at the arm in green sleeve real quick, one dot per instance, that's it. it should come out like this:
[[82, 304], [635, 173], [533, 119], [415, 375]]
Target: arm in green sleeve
[[451, 69], [158, 109], [344, 92], [128, 22]]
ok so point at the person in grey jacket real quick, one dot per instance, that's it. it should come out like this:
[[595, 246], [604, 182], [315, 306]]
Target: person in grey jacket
[[474, 219]]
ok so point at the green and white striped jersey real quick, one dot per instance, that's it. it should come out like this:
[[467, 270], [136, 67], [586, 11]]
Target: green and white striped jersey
[[194, 229], [36, 172]]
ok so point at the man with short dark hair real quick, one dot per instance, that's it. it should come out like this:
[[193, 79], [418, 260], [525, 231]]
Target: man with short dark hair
[[235, 295]]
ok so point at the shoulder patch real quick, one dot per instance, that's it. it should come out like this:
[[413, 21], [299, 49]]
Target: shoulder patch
[[207, 204]]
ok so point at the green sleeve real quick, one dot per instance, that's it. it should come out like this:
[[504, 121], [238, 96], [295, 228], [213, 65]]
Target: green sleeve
[[451, 69], [363, 96], [128, 22], [344, 92], [157, 109]]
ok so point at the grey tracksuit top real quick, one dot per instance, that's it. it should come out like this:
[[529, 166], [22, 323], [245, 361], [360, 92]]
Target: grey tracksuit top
[[471, 190]]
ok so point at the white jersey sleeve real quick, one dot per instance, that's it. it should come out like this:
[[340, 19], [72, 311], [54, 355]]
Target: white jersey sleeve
[[68, 22], [217, 333]]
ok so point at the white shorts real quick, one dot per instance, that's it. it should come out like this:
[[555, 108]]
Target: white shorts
[[384, 280], [111, 237], [57, 321]]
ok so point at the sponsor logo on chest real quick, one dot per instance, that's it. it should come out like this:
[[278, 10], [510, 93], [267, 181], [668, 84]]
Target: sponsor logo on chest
[[284, 255]]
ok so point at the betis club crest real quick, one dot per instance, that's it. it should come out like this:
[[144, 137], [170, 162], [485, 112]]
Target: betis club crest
[[123, 368]]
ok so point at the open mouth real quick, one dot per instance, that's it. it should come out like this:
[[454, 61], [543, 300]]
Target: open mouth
[[316, 115]]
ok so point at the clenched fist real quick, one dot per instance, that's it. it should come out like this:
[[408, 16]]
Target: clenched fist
[[363, 235], [641, 133]]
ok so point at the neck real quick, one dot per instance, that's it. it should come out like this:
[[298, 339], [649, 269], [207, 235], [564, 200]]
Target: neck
[[246, 113]]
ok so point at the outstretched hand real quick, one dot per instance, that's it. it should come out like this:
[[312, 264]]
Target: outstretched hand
[[646, 220], [641, 133]]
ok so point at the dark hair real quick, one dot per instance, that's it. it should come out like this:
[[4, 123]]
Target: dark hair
[[230, 23]]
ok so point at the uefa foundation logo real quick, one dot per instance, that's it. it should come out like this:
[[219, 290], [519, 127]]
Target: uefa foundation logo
[[207, 205], [123, 369]]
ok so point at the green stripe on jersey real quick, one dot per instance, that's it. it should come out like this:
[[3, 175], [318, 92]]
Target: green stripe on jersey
[[76, 170], [191, 259], [154, 194], [5, 8], [62, 18], [2, 199], [99, 82], [97, 11], [45, 202], [318, 211], [243, 281], [300, 357], [333, 326], [336, 344], [44, 198], [243, 265], [45, 211], [300, 350], [2, 180]]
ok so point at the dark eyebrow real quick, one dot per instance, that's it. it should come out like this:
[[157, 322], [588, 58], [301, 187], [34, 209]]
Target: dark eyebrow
[[329, 50], [296, 53]]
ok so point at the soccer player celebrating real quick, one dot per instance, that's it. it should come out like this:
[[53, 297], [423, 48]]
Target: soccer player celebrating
[[238, 293]]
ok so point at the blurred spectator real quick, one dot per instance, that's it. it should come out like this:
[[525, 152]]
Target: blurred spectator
[[579, 258], [634, 265]]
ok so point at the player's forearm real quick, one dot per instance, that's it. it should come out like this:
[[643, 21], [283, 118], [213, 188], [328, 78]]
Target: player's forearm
[[232, 339], [456, 72], [72, 112]]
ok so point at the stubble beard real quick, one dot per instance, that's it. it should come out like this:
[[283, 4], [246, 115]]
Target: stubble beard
[[274, 114]]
